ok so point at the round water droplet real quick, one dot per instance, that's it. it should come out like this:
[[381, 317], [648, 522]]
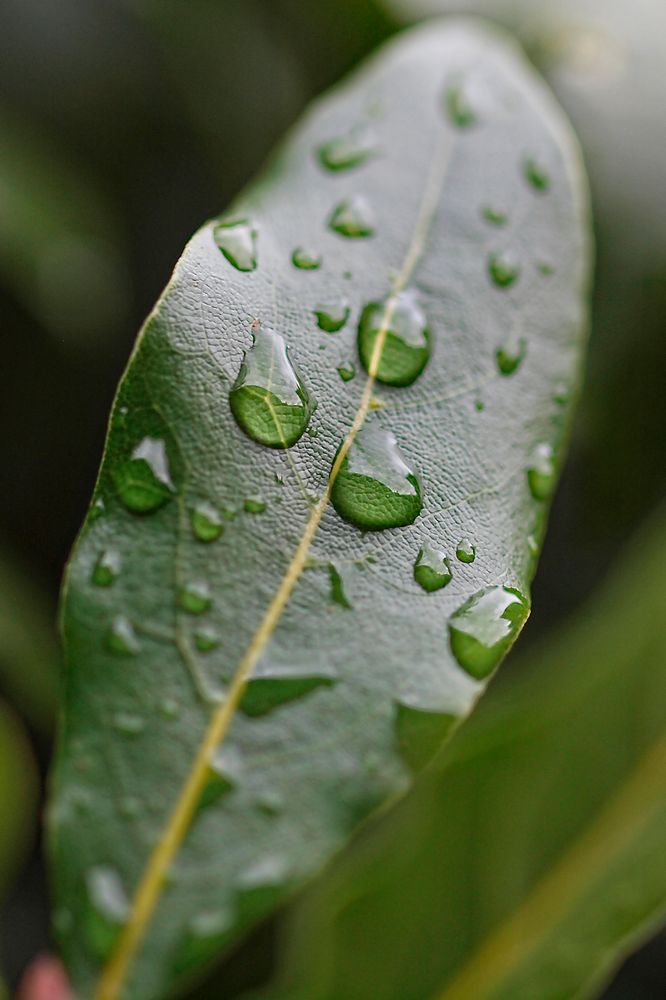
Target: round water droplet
[[169, 708], [195, 597], [332, 318], [206, 522], [375, 487], [352, 218], [305, 260], [541, 473], [346, 372], [406, 340], [238, 242], [346, 151], [479, 405], [510, 356], [254, 505], [465, 551], [503, 270], [121, 637], [485, 627], [144, 481], [107, 568], [536, 175], [129, 724], [494, 216], [269, 399], [206, 639], [457, 105], [431, 569]]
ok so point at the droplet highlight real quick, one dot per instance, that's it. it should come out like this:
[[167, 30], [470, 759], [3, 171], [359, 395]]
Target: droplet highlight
[[195, 597], [406, 340], [482, 631], [353, 218], [431, 569], [465, 551], [206, 639], [121, 637], [206, 522], [107, 568], [238, 242]]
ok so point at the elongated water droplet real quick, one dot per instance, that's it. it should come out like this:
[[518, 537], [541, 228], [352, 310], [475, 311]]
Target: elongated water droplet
[[465, 551], [206, 639], [375, 487], [107, 568], [541, 473], [510, 356], [126, 722], [106, 910], [269, 399], [144, 481], [238, 242], [503, 270], [254, 505], [305, 260], [121, 637], [206, 522], [346, 372], [485, 627], [333, 317], [457, 105], [536, 174], [263, 694], [431, 569], [195, 597], [348, 150], [406, 343], [494, 216], [353, 218], [338, 595], [420, 733]]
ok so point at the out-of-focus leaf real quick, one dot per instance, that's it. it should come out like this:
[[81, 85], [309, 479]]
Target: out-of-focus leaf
[[531, 858], [222, 590], [18, 797]]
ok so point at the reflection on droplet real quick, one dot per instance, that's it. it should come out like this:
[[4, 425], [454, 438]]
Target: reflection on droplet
[[144, 481], [332, 317], [536, 174], [206, 522], [346, 151], [338, 595], [503, 270], [269, 399], [195, 597], [346, 372], [375, 487], [406, 339], [510, 356], [431, 569], [238, 242], [465, 551], [541, 473], [121, 637], [305, 260], [420, 733], [107, 568], [352, 218], [485, 627]]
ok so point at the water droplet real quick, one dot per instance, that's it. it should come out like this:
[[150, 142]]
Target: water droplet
[[543, 267], [195, 597], [465, 551], [532, 546], [458, 108], [406, 346], [375, 487], [203, 939], [129, 724], [206, 639], [206, 522], [479, 405], [254, 505], [264, 693], [217, 785], [420, 733], [271, 802], [144, 481], [431, 569], [561, 394], [494, 216], [130, 807], [106, 911], [352, 218], [121, 637], [238, 242], [346, 151], [269, 399], [536, 175], [485, 627], [541, 473], [346, 372], [510, 356], [305, 260], [503, 270], [332, 318], [228, 513], [338, 595], [107, 568], [96, 509], [169, 708]]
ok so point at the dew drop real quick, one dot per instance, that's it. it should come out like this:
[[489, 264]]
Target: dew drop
[[254, 505], [375, 488], [206, 522], [332, 318], [195, 597], [536, 175], [431, 569], [305, 260], [107, 568], [130, 807], [97, 509], [458, 108], [543, 267], [479, 405], [269, 399], [465, 551], [338, 595], [270, 688], [406, 345], [419, 734], [271, 802], [541, 473], [121, 637], [346, 151], [494, 216], [510, 356], [144, 481], [503, 270], [169, 708], [561, 394], [203, 939], [238, 242], [206, 639], [130, 725], [106, 911], [352, 218], [346, 372], [483, 629]]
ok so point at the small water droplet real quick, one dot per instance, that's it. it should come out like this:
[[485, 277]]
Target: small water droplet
[[206, 639], [271, 802], [561, 394], [203, 939], [97, 509], [541, 473], [107, 568], [271, 690], [238, 242], [121, 637], [338, 595], [420, 733], [406, 345], [106, 911], [536, 175], [305, 260], [269, 399], [479, 405], [130, 807], [465, 551], [510, 356], [543, 267], [169, 708], [352, 218], [348, 150], [195, 597], [332, 317], [494, 216], [129, 724], [206, 522], [483, 629], [375, 487], [228, 513], [144, 481], [431, 569], [346, 372], [503, 270], [254, 505], [458, 108], [532, 546]]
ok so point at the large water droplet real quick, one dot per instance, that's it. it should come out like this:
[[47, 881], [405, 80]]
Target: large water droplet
[[346, 372], [206, 522], [144, 481], [510, 356], [194, 597], [352, 218], [458, 108], [406, 344], [420, 734], [238, 242], [106, 910], [431, 569], [503, 270], [269, 399], [375, 487], [121, 637], [485, 627], [536, 174], [346, 151], [541, 473], [333, 317], [305, 260], [107, 568], [338, 595], [465, 551]]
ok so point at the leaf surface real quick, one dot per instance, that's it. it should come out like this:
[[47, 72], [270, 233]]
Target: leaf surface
[[252, 666]]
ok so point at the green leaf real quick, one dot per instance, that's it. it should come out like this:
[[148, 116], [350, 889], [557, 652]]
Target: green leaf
[[532, 860], [207, 654]]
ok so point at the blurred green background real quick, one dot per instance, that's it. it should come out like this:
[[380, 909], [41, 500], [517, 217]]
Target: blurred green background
[[126, 123]]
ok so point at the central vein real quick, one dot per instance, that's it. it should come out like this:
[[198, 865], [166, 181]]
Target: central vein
[[152, 881]]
